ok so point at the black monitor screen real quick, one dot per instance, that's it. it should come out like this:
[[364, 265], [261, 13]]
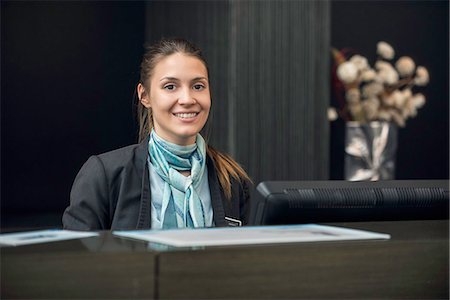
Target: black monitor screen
[[297, 202]]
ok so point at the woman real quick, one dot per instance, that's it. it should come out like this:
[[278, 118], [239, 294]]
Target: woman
[[172, 179]]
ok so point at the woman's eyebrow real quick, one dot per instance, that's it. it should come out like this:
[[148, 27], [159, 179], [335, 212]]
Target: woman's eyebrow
[[176, 79], [169, 78], [199, 78]]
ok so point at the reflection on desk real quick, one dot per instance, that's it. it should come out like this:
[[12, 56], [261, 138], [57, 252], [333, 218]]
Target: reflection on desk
[[413, 264]]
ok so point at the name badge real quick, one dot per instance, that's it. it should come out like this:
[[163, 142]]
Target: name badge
[[233, 222]]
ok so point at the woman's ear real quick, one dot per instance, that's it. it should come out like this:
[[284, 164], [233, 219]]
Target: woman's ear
[[143, 95]]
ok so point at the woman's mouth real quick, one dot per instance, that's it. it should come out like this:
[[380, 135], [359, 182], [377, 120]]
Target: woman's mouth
[[186, 115]]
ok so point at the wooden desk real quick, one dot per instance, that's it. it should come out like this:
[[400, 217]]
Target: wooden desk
[[413, 264]]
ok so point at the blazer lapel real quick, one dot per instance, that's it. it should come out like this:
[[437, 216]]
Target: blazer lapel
[[217, 196], [142, 168]]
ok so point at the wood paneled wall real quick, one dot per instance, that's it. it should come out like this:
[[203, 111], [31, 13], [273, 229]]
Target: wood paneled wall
[[269, 71]]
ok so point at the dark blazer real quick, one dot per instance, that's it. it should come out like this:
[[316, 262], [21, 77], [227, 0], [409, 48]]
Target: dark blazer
[[112, 191]]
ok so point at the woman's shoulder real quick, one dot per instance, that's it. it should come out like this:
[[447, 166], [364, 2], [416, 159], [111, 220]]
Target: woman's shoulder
[[119, 152], [135, 153]]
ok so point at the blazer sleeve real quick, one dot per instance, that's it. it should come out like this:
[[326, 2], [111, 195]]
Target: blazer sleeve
[[89, 200], [244, 202]]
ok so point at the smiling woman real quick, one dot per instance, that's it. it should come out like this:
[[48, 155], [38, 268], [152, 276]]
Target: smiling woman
[[172, 178]]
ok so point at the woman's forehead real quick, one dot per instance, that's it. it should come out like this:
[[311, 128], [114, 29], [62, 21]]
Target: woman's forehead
[[180, 65]]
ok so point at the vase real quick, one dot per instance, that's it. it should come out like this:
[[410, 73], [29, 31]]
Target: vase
[[370, 151]]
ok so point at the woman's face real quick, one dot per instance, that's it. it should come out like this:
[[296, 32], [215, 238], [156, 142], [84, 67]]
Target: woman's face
[[179, 97]]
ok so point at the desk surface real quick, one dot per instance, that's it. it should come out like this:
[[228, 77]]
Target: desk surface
[[413, 264]]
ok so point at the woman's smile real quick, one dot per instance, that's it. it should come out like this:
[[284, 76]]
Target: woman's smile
[[186, 116]]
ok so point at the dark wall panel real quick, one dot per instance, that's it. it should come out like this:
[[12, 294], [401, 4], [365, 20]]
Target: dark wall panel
[[280, 128]]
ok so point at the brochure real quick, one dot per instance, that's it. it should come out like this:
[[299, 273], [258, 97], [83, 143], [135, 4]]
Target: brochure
[[42, 236], [250, 235]]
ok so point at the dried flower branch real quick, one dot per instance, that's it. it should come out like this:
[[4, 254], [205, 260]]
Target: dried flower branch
[[385, 50], [380, 93]]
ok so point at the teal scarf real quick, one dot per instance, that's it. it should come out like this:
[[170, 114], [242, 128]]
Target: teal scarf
[[181, 205]]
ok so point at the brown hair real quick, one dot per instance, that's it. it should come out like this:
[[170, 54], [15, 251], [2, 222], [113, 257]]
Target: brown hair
[[224, 164]]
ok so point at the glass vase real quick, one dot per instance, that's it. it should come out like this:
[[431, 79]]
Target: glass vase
[[370, 151]]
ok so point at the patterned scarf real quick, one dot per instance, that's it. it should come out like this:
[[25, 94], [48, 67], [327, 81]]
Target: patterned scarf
[[180, 197]]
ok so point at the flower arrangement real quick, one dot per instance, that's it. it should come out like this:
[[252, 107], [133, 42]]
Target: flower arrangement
[[382, 93]]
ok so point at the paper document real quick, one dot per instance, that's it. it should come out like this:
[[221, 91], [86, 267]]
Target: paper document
[[42, 236], [250, 235]]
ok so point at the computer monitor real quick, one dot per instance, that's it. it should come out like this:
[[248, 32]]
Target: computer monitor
[[298, 202]]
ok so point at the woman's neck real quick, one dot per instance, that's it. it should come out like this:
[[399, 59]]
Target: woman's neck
[[185, 173]]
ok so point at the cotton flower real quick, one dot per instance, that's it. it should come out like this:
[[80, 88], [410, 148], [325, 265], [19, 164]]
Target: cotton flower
[[332, 114], [412, 104], [347, 72], [397, 118], [407, 93], [384, 115], [422, 77], [356, 111], [418, 100], [389, 100], [404, 104], [383, 92], [372, 89], [370, 108], [353, 96], [387, 73], [360, 62], [409, 110], [398, 98], [405, 66], [368, 75], [385, 50], [383, 65], [388, 76]]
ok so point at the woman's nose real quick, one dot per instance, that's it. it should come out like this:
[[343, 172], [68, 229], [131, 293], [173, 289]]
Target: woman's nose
[[186, 97]]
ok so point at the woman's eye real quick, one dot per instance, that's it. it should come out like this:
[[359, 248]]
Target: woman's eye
[[169, 87], [199, 87]]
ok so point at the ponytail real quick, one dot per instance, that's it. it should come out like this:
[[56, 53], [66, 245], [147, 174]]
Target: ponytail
[[226, 167]]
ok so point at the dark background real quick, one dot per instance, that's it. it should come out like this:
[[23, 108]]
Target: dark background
[[419, 29], [68, 72]]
